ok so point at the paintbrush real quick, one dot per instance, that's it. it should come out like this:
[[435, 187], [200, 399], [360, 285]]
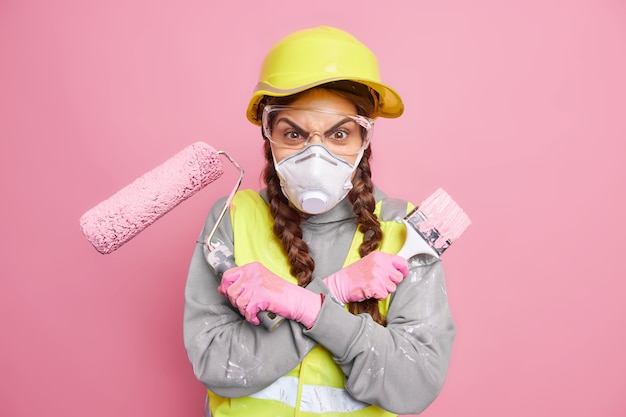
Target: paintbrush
[[433, 226]]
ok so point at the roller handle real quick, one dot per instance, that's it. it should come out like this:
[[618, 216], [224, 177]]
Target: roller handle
[[221, 260]]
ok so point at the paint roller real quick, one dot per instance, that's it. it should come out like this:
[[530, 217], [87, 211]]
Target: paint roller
[[118, 219]]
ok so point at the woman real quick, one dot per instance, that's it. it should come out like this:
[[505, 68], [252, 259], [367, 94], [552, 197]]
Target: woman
[[366, 332]]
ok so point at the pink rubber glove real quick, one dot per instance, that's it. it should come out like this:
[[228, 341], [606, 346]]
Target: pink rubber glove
[[374, 276], [253, 288]]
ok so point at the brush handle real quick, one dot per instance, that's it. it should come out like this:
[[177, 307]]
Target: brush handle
[[221, 259]]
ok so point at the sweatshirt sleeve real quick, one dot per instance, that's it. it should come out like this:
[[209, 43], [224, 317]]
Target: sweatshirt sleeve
[[401, 367], [230, 356]]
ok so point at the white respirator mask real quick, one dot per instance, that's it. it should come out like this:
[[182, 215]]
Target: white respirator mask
[[314, 180]]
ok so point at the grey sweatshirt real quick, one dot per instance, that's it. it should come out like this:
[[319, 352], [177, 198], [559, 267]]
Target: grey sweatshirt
[[400, 368]]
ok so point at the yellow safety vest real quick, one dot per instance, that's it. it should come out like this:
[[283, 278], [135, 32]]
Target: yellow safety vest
[[316, 387]]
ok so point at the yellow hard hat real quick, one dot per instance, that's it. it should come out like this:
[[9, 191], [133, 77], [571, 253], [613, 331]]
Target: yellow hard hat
[[316, 56]]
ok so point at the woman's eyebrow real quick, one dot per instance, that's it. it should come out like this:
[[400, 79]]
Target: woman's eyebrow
[[290, 123], [341, 122]]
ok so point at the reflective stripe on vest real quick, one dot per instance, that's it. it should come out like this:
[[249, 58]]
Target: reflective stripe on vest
[[316, 387], [314, 399]]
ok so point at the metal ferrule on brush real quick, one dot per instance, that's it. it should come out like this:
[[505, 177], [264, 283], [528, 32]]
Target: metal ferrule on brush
[[430, 234], [433, 225]]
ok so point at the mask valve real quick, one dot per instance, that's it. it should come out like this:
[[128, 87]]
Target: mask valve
[[314, 201]]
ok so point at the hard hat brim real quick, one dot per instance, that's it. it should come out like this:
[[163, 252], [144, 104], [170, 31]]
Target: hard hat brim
[[390, 103]]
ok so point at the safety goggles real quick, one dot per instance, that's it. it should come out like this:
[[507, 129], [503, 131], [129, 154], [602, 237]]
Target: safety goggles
[[294, 128]]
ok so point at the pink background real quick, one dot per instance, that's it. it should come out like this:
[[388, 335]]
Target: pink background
[[517, 109]]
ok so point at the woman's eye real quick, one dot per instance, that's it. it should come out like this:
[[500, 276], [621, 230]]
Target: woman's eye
[[339, 135], [293, 135]]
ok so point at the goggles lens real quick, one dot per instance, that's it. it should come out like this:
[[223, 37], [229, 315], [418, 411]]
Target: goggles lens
[[294, 128]]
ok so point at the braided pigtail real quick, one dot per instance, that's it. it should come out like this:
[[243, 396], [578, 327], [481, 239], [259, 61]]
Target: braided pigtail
[[287, 224], [363, 204]]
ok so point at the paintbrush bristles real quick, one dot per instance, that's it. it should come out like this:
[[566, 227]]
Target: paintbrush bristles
[[444, 215]]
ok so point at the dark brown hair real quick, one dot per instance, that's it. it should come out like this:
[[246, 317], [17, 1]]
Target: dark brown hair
[[287, 218]]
